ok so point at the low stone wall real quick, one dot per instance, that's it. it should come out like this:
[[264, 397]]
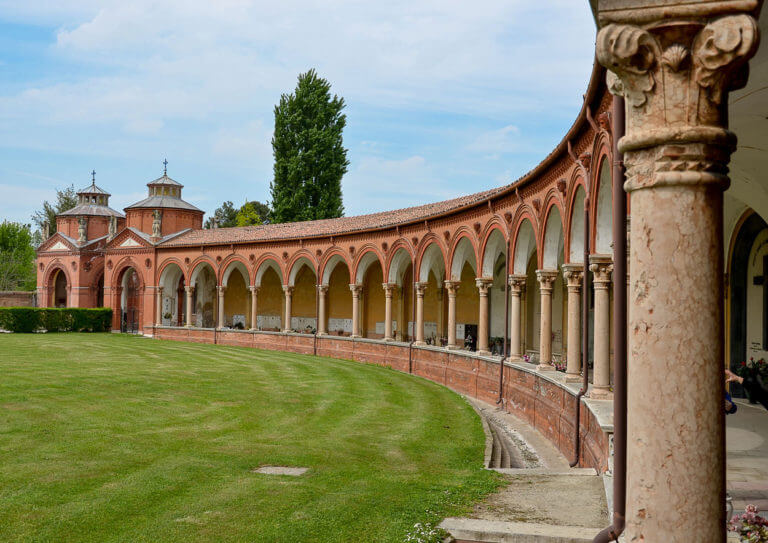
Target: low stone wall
[[14, 298], [543, 399]]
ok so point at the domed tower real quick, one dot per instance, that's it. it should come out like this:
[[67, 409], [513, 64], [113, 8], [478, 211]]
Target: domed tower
[[91, 218], [163, 212]]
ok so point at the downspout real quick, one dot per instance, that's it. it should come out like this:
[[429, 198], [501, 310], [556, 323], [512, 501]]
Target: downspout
[[413, 317], [612, 532], [317, 318], [584, 316], [505, 351]]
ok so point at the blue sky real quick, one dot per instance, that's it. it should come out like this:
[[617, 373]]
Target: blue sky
[[443, 97]]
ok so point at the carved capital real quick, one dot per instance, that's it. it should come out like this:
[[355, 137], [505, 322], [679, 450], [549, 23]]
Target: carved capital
[[189, 289], [675, 74], [254, 289], [420, 289], [356, 290], [452, 287], [516, 283], [389, 289], [483, 284], [573, 275], [221, 289], [322, 289], [601, 267], [288, 289], [546, 279]]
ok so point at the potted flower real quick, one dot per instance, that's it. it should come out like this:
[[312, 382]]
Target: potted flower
[[751, 527]]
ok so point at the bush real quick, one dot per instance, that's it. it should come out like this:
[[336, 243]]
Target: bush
[[65, 319]]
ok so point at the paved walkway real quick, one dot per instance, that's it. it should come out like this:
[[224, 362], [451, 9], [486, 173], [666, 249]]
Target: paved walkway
[[746, 444]]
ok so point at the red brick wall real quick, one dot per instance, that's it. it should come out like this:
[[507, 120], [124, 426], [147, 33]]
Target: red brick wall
[[545, 405], [17, 299]]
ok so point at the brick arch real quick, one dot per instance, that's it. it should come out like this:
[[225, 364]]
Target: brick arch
[[270, 260], [546, 253], [524, 217], [195, 264], [119, 269], [364, 250], [229, 265], [52, 267], [397, 249], [574, 213], [495, 224], [429, 241], [462, 234], [325, 261], [596, 212], [294, 265], [167, 262]]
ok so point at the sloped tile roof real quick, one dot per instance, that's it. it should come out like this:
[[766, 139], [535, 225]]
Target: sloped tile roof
[[92, 210], [167, 202]]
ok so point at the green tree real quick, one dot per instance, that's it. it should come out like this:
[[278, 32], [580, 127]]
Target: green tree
[[252, 213], [17, 257], [65, 200], [310, 158], [226, 215]]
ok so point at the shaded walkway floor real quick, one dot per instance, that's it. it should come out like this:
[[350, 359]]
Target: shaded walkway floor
[[746, 446]]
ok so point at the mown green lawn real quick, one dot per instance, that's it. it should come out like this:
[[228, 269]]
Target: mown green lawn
[[106, 437]]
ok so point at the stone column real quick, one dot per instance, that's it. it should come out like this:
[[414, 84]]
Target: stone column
[[573, 275], [356, 290], [452, 287], [322, 294], [601, 267], [419, 324], [190, 290], [674, 65], [254, 307], [221, 290], [483, 284], [516, 286], [546, 281], [159, 305], [389, 289], [288, 290]]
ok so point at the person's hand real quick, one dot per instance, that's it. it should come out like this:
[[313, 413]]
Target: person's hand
[[731, 377]]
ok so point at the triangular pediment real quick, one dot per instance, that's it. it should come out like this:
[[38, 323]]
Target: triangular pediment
[[57, 242], [130, 242], [58, 246], [128, 239]]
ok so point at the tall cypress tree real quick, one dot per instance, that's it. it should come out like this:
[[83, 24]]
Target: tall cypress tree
[[310, 158]]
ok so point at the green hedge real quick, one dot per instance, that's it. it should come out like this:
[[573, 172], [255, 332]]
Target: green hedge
[[65, 319]]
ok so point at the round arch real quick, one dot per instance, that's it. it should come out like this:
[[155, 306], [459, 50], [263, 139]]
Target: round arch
[[495, 244], [603, 213], [524, 245], [329, 265], [553, 242], [575, 233], [264, 264], [295, 268], [463, 252], [367, 257]]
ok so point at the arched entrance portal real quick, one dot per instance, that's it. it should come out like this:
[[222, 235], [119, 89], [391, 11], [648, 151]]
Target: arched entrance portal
[[59, 294], [129, 303]]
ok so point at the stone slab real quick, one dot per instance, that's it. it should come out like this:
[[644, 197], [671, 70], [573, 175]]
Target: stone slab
[[281, 470], [491, 531]]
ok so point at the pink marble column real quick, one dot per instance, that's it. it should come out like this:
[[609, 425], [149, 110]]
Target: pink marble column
[[322, 312], [288, 290], [573, 275], [356, 290], [674, 66], [483, 284], [601, 267], [516, 287], [546, 282], [190, 290], [389, 290], [452, 287], [254, 307], [158, 305], [221, 290], [419, 324]]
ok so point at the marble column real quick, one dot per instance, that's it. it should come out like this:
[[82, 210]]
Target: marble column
[[190, 290], [356, 290], [419, 324], [288, 290], [452, 287], [674, 65], [221, 290], [322, 317], [601, 267], [546, 282], [159, 305], [516, 287], [389, 290], [573, 275], [254, 307], [483, 284]]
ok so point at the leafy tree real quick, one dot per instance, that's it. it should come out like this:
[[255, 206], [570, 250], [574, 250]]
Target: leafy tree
[[17, 257], [310, 158], [226, 216], [252, 213], [65, 200]]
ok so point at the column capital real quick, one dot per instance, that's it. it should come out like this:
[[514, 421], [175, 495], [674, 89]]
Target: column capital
[[483, 284], [420, 287], [452, 286], [322, 289], [221, 289], [675, 66], [573, 274], [516, 282], [601, 266], [356, 289], [189, 289], [254, 289], [546, 279], [288, 289], [389, 289]]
